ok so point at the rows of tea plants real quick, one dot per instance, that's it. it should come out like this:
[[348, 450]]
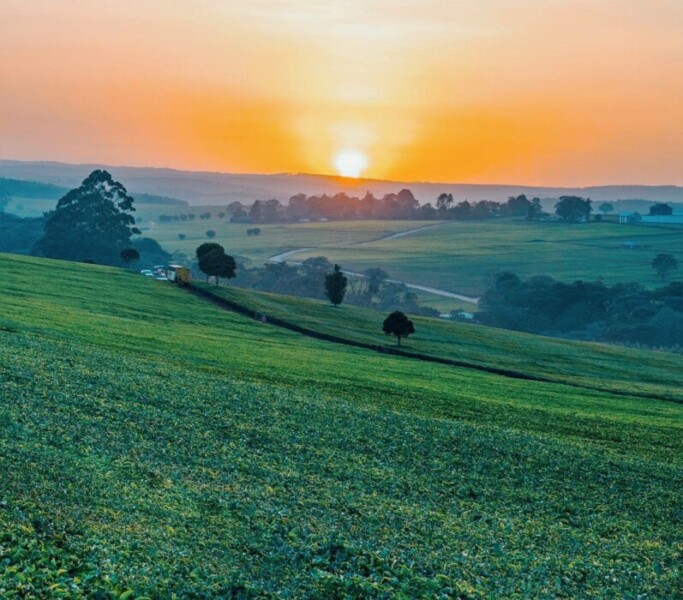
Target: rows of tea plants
[[152, 444], [140, 477]]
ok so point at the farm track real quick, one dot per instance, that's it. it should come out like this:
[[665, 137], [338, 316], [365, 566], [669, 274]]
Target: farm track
[[229, 305]]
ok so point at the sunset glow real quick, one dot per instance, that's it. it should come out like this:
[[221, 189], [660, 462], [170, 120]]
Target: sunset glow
[[562, 92]]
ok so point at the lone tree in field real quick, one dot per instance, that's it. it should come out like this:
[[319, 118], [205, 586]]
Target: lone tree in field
[[664, 263], [605, 208], [129, 255], [211, 234], [216, 263], [399, 325], [335, 285], [93, 221]]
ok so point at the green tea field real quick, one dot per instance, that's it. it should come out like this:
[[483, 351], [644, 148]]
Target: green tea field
[[155, 445]]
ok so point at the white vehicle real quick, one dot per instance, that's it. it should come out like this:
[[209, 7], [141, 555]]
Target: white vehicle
[[146, 273]]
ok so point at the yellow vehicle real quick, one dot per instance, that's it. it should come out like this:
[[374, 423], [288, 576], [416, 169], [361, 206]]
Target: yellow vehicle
[[178, 274]]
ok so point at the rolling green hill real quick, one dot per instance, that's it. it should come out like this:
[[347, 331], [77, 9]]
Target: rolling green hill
[[154, 444], [608, 367]]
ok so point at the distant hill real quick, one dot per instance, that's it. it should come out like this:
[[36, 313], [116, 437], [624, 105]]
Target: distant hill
[[39, 190], [199, 187]]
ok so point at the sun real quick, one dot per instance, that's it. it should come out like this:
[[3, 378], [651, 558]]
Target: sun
[[350, 163]]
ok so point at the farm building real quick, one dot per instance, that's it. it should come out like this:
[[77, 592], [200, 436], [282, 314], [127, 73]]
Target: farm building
[[629, 217]]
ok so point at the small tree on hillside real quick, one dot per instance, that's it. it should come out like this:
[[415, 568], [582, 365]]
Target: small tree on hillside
[[664, 263], [129, 255], [211, 234], [398, 324], [335, 285], [217, 264]]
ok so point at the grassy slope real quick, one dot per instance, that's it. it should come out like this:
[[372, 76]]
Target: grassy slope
[[156, 443], [464, 256], [605, 366]]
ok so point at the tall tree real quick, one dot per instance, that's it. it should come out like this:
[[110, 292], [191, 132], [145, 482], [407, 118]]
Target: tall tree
[[93, 221], [399, 325], [605, 208], [335, 285], [443, 203]]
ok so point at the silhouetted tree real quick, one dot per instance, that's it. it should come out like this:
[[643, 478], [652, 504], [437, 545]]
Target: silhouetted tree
[[535, 210], [573, 209], [335, 285], [129, 255], [664, 263], [207, 247], [181, 236], [92, 221], [217, 263], [399, 325], [518, 206], [605, 208], [211, 234], [443, 203]]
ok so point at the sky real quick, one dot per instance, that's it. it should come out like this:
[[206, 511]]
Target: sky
[[538, 92]]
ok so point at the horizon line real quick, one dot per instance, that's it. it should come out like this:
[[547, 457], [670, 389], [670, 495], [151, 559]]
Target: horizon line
[[350, 180]]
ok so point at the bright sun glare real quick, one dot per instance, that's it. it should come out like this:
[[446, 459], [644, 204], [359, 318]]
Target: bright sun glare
[[350, 163]]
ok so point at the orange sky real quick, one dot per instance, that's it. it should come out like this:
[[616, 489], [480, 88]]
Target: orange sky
[[552, 92]]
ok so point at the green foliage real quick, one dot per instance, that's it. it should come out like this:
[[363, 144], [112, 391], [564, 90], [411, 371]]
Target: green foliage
[[573, 209], [129, 255], [214, 262], [664, 263], [17, 234], [148, 449], [207, 247], [399, 325], [93, 221], [335, 285]]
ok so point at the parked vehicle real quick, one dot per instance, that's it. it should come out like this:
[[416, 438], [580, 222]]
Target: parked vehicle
[[178, 274]]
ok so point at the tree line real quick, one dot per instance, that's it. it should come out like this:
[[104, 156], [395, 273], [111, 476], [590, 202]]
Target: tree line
[[402, 205], [586, 310]]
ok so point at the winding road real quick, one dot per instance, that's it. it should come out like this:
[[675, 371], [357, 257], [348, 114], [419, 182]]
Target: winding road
[[437, 292]]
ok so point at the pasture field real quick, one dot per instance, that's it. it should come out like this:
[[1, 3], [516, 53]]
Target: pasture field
[[464, 256], [153, 444], [274, 239]]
